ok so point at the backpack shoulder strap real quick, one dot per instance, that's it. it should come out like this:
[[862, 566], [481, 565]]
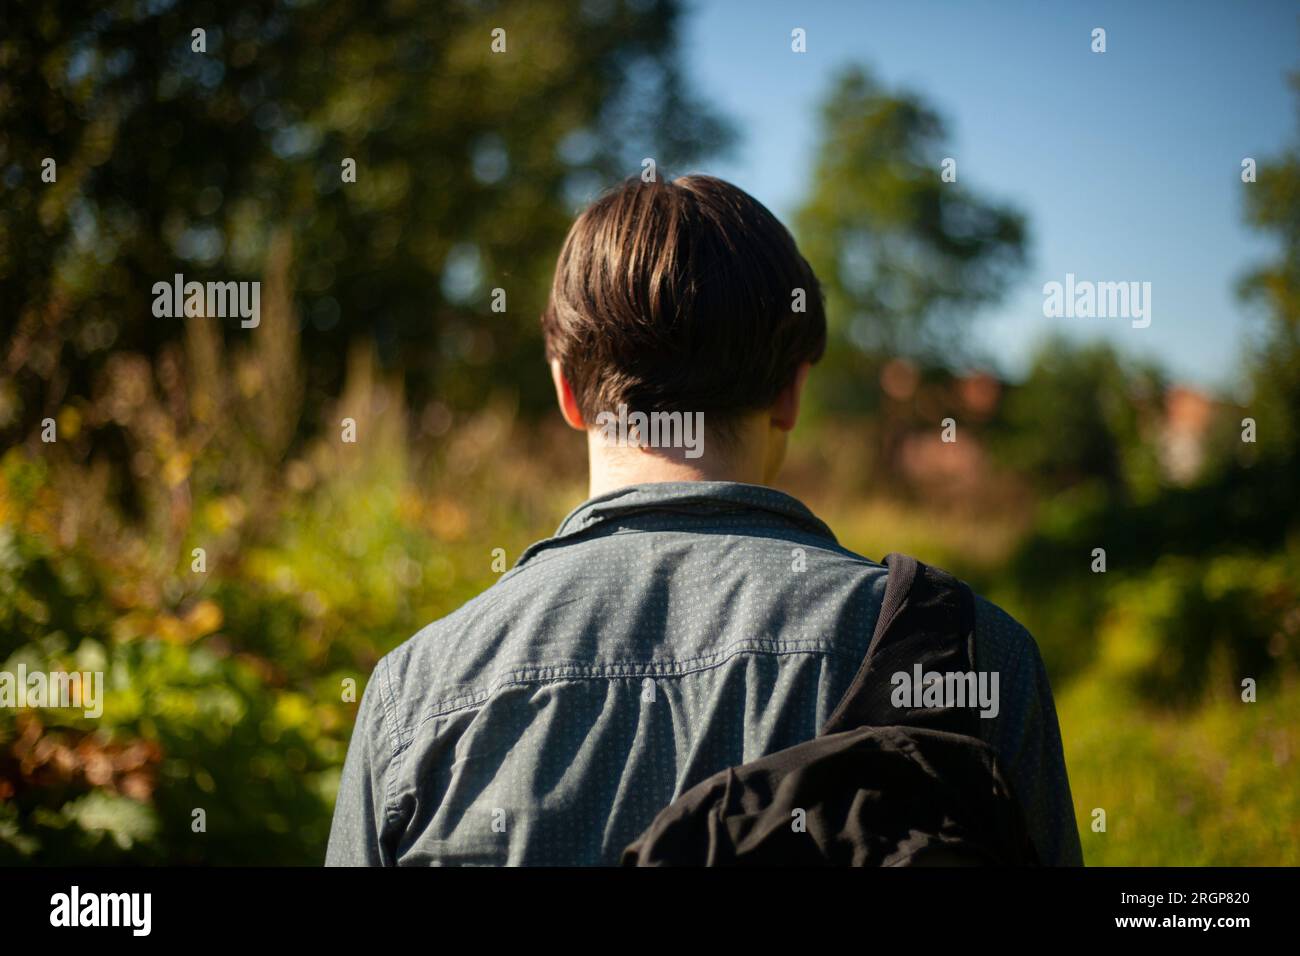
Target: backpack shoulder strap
[[926, 626]]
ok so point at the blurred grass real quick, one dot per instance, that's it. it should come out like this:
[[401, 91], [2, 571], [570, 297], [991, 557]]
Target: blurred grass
[[1217, 785]]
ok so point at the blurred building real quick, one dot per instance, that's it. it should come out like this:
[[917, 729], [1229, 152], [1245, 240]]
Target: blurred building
[[1188, 415]]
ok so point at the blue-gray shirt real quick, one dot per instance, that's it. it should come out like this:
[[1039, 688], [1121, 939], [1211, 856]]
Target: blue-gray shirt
[[666, 632]]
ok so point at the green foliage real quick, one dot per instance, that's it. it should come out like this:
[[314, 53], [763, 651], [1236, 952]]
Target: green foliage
[[1084, 414], [1190, 625], [1273, 207], [226, 688], [231, 702], [469, 165]]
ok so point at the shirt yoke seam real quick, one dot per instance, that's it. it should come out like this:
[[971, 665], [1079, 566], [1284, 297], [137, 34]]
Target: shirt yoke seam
[[632, 669]]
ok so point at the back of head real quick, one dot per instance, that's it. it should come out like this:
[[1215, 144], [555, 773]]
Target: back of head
[[681, 296]]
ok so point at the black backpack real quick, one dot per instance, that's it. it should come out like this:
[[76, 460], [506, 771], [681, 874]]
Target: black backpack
[[880, 785]]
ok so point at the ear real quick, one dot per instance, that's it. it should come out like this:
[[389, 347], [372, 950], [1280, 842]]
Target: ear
[[785, 411], [564, 397]]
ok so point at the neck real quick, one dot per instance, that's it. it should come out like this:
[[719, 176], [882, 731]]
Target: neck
[[750, 458]]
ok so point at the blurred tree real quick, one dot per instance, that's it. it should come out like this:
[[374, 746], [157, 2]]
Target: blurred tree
[[469, 164], [1084, 414], [1273, 206], [902, 255]]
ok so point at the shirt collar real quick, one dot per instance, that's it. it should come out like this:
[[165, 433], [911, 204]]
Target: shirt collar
[[695, 497]]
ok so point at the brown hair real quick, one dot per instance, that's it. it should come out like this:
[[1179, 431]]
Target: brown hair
[[680, 296]]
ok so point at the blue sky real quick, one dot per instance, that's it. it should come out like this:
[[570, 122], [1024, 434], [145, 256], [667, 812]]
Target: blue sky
[[1127, 163]]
